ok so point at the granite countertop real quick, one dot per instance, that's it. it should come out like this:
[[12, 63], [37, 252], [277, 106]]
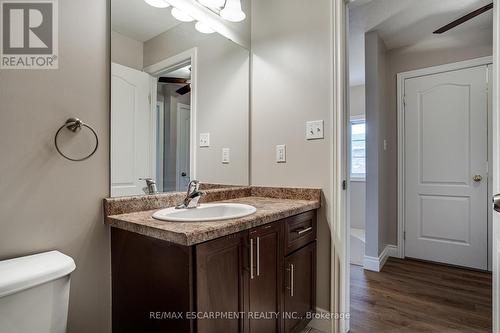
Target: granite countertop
[[270, 207]]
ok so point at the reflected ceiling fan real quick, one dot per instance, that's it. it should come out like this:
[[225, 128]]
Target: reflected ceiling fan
[[186, 88], [464, 19]]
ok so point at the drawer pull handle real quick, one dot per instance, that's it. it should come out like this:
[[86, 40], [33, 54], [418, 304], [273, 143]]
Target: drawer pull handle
[[291, 270], [251, 259], [258, 256], [303, 231]]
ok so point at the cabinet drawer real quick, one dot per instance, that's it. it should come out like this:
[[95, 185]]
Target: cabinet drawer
[[299, 230]]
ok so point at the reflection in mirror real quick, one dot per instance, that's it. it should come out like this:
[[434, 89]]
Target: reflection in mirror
[[179, 97]]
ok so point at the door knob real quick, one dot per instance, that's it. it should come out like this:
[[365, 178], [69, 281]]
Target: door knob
[[477, 178], [183, 174], [496, 202]]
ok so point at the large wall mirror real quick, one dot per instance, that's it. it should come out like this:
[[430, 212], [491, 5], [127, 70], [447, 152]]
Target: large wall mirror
[[180, 76]]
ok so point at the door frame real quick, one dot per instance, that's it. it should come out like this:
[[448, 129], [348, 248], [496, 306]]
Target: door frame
[[495, 182], [401, 78], [339, 172], [173, 63], [177, 150], [338, 210]]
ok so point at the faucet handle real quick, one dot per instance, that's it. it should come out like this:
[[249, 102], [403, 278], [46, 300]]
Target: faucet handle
[[148, 180], [150, 186]]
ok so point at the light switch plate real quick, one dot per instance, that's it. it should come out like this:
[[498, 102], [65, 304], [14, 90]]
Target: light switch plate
[[281, 153], [225, 155], [314, 130], [204, 139]]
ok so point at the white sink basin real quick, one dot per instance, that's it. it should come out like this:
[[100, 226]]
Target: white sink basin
[[205, 212]]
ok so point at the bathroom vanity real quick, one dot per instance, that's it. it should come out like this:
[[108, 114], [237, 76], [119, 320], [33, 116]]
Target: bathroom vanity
[[180, 111], [252, 274]]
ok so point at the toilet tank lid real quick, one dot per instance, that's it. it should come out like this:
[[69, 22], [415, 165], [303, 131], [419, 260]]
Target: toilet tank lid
[[25, 272]]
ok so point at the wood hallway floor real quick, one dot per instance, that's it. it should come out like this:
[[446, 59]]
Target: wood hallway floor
[[415, 296]]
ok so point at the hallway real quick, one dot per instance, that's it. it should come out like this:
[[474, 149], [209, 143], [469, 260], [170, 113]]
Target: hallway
[[414, 296]]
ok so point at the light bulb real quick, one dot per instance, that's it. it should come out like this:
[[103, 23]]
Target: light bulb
[[203, 28], [232, 11], [181, 16], [157, 3], [213, 3]]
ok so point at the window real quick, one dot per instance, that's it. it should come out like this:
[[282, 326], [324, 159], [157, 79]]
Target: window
[[358, 149]]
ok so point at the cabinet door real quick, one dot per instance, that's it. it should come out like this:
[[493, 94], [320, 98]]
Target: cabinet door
[[265, 278], [300, 287], [220, 282]]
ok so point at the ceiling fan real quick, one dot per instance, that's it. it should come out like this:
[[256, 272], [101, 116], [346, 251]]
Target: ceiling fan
[[186, 88], [464, 19]]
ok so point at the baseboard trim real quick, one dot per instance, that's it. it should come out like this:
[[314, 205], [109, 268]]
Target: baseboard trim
[[322, 325], [376, 263]]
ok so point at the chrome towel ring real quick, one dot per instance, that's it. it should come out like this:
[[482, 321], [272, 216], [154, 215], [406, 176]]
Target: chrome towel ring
[[74, 125]]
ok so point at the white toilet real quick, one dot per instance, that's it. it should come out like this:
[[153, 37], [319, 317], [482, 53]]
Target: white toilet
[[34, 293]]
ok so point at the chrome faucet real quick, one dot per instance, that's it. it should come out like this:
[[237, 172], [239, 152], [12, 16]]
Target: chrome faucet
[[150, 186], [193, 195]]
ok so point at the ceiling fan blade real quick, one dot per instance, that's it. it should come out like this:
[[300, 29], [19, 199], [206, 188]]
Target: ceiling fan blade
[[172, 80], [464, 19], [184, 90]]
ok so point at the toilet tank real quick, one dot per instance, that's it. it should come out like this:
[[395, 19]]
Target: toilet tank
[[34, 293]]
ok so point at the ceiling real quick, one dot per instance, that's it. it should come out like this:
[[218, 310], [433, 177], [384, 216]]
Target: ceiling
[[409, 24], [182, 73], [138, 20]]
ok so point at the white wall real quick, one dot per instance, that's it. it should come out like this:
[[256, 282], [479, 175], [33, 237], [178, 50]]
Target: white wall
[[47, 202], [291, 50], [223, 99], [358, 187], [126, 51]]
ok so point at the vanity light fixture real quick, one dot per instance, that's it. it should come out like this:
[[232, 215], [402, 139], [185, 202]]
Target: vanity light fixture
[[232, 11], [157, 3], [213, 3], [181, 15], [203, 28]]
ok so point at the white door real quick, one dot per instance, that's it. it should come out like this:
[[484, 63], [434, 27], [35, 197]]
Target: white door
[[183, 144], [446, 167], [131, 153]]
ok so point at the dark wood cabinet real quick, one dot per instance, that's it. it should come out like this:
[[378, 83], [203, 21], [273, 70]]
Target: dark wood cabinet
[[220, 282], [265, 278], [300, 290], [158, 286]]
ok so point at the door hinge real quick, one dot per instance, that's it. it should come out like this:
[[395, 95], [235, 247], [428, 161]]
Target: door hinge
[[344, 185], [149, 99], [404, 100], [404, 235]]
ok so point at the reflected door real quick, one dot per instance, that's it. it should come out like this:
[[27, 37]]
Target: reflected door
[[446, 168], [183, 142], [131, 125]]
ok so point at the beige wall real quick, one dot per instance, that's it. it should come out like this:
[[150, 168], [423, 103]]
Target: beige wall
[[47, 202], [223, 99], [291, 53], [357, 100], [376, 125], [126, 51]]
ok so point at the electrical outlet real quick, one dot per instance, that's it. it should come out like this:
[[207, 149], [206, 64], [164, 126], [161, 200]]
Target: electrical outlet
[[314, 130], [281, 153], [204, 139], [225, 155]]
